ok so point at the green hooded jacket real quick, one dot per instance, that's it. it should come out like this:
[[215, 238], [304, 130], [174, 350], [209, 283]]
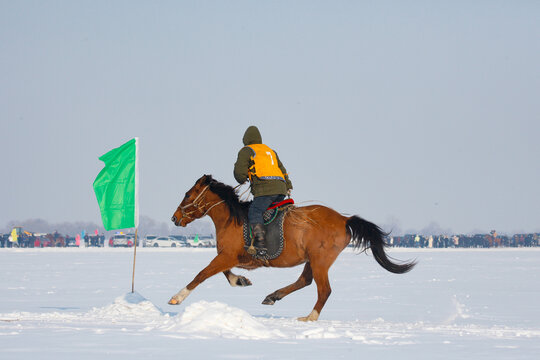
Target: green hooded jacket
[[243, 163]]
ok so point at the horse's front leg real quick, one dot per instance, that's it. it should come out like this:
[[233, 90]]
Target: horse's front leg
[[236, 280], [220, 263]]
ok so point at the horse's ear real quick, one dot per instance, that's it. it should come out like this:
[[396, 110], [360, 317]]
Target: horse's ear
[[206, 179]]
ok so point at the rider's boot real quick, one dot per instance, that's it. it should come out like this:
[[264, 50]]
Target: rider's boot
[[259, 237]]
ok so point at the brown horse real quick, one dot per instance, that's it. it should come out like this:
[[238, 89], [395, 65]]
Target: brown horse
[[314, 236], [56, 241]]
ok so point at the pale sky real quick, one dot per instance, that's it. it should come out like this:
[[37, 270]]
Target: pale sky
[[407, 113]]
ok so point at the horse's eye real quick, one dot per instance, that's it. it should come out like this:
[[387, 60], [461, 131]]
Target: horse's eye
[[187, 196]]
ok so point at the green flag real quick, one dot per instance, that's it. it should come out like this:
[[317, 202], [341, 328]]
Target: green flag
[[116, 187]]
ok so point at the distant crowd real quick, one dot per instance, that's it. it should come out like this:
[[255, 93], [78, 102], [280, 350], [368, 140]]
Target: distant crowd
[[491, 240], [465, 241], [32, 240]]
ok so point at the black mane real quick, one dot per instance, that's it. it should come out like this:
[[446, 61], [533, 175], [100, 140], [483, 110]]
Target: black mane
[[237, 208]]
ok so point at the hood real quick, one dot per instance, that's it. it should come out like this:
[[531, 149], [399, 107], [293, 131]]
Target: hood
[[252, 136]]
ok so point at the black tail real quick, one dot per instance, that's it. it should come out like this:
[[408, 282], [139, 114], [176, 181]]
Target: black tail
[[366, 235]]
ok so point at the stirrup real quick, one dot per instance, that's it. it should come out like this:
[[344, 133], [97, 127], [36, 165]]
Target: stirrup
[[252, 250], [257, 244]]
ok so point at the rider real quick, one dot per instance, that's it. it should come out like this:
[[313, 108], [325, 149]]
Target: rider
[[269, 180]]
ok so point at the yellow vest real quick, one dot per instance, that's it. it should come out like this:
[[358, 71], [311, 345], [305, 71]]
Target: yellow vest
[[265, 164]]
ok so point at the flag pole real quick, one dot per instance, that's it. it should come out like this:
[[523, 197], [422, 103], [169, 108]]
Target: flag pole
[[136, 211], [134, 260]]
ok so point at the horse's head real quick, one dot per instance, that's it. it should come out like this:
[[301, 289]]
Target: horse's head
[[192, 206]]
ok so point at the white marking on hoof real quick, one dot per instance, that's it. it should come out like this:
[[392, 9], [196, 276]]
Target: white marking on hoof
[[181, 296], [237, 280], [314, 316], [233, 279]]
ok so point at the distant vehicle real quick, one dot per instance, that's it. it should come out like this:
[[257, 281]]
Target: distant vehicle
[[121, 240], [208, 240], [182, 239], [165, 241], [71, 242], [201, 241], [20, 239], [42, 241], [147, 241], [94, 241], [132, 237]]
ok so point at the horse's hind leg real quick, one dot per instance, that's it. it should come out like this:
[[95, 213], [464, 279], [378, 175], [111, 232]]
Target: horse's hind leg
[[323, 292], [236, 280], [304, 280], [220, 263]]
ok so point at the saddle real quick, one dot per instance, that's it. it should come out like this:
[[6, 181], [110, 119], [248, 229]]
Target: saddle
[[273, 224]]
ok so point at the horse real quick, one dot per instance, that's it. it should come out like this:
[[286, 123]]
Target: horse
[[56, 240], [314, 236]]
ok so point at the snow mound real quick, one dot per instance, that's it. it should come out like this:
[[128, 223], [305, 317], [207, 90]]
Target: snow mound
[[207, 319], [131, 306]]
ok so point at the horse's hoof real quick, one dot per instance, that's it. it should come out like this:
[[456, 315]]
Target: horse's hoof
[[271, 299], [268, 301], [314, 316], [178, 298], [243, 281], [173, 301]]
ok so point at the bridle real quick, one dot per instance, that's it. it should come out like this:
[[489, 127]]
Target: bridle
[[197, 205]]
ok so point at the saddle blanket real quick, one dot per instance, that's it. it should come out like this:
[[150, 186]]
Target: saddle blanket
[[273, 223]]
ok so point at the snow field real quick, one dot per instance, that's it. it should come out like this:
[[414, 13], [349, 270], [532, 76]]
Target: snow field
[[60, 303]]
